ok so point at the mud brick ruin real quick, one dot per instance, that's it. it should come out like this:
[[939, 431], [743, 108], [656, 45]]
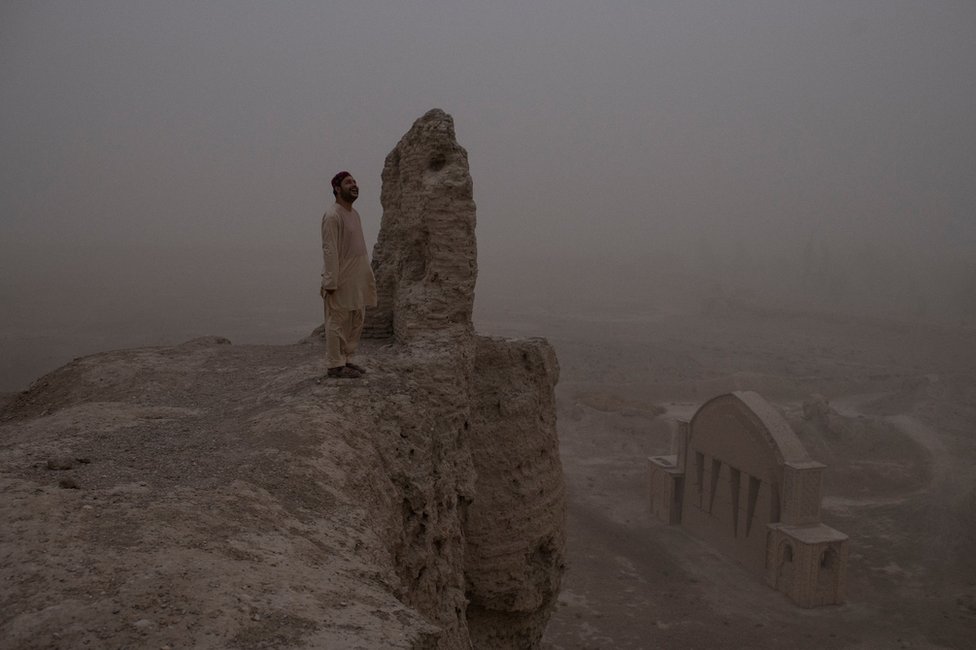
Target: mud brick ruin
[[232, 496], [741, 480]]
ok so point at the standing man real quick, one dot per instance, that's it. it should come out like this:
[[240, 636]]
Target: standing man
[[348, 286]]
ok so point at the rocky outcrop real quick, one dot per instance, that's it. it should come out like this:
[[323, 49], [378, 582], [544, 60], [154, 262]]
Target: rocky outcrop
[[425, 258], [214, 495], [514, 533], [425, 261]]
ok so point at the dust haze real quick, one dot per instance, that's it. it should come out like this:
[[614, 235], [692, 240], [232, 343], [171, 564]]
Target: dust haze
[[165, 167], [685, 198]]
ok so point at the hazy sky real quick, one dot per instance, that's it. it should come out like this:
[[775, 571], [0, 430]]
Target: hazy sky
[[618, 129], [611, 122]]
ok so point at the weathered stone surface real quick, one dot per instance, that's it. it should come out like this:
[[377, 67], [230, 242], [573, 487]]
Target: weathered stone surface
[[235, 497], [425, 258], [515, 528]]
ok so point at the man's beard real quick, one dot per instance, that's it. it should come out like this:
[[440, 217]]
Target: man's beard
[[348, 197]]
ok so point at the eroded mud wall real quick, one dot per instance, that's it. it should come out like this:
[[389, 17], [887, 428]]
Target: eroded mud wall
[[515, 528]]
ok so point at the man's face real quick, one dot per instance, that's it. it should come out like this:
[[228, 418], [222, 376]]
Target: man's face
[[348, 189]]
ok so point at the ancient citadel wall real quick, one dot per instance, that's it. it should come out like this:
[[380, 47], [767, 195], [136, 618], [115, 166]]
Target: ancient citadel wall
[[232, 496], [426, 255], [515, 529], [425, 262]]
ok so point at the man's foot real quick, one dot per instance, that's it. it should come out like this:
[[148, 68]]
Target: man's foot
[[343, 372], [358, 369]]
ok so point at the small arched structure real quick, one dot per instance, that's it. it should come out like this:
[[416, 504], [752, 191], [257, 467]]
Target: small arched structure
[[741, 480]]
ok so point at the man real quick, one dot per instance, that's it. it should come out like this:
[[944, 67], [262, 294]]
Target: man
[[348, 286]]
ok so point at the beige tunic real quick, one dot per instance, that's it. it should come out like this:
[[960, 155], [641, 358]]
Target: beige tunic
[[345, 261]]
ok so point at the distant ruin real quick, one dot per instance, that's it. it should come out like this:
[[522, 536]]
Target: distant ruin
[[740, 479]]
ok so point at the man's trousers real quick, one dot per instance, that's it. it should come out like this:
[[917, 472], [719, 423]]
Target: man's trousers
[[342, 331]]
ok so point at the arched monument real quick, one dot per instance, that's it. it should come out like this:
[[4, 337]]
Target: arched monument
[[741, 480]]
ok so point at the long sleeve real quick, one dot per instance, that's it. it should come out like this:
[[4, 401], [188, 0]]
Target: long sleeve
[[330, 252], [346, 273]]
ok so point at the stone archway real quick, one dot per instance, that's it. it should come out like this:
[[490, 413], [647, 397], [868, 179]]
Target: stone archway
[[828, 569]]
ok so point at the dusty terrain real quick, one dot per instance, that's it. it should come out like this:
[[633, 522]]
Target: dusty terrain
[[211, 495], [143, 511], [899, 442], [174, 496]]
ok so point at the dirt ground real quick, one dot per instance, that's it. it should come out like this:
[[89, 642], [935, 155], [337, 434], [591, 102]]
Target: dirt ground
[[899, 442]]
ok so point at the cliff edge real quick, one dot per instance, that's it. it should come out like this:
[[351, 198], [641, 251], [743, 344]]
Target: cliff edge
[[214, 495]]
